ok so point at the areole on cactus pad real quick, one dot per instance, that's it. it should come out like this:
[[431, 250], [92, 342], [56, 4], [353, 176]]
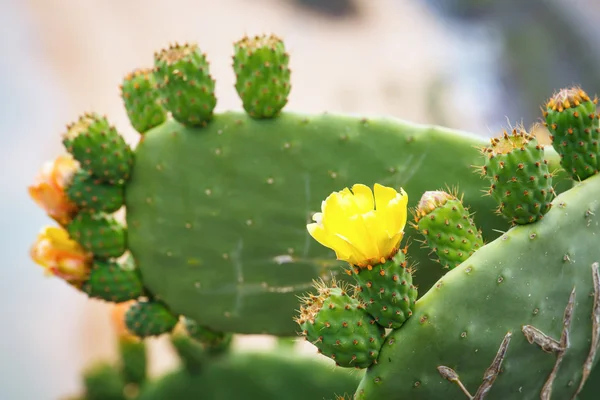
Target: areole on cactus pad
[[216, 207]]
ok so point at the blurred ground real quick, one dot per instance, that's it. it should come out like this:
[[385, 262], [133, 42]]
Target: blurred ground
[[64, 57]]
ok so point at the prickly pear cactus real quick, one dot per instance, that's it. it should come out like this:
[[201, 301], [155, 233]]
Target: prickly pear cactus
[[215, 210]]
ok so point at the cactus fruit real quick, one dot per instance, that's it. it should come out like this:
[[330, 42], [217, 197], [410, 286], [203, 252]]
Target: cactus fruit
[[338, 325], [262, 75], [572, 121], [90, 193], [510, 304], [114, 281], [149, 318], [186, 87], [142, 100], [519, 176], [99, 148], [99, 234], [387, 291], [448, 227]]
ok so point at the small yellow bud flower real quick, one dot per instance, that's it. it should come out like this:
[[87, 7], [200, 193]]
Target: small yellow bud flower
[[61, 256], [362, 227], [48, 191]]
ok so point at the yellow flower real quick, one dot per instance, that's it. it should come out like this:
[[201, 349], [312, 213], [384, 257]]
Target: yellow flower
[[118, 320], [61, 256], [362, 230], [48, 191]]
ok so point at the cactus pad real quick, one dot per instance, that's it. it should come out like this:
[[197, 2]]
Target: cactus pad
[[519, 176], [149, 318], [113, 281], [92, 194], [185, 84], [387, 291], [228, 239], [99, 148], [141, 99], [447, 227], [340, 328], [572, 121], [262, 75], [99, 234]]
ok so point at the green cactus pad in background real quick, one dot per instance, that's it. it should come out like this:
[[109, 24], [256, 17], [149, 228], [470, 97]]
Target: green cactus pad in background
[[448, 228], [134, 361], [99, 234], [217, 215], [141, 99], [518, 173], [340, 327], [92, 194], [387, 291], [262, 75], [149, 318], [264, 375], [572, 121], [186, 87], [114, 281], [99, 148], [213, 342], [527, 303], [103, 382]]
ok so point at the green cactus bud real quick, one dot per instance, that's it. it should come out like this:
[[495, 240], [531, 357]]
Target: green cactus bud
[[115, 282], [572, 121], [134, 360], [141, 98], [262, 75], [447, 227], [191, 353], [149, 318], [387, 291], [185, 84], [89, 193], [520, 181], [100, 234], [99, 148], [103, 382], [340, 327], [214, 342]]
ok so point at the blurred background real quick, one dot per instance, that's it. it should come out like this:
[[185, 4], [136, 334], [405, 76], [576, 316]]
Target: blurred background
[[474, 65]]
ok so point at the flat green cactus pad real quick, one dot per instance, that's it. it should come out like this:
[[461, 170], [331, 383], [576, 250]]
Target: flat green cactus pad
[[524, 311], [216, 215]]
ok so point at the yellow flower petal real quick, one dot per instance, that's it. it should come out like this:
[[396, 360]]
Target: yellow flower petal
[[362, 226], [363, 197], [61, 256]]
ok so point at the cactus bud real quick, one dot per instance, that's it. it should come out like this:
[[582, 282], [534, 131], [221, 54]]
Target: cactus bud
[[48, 191], [61, 256]]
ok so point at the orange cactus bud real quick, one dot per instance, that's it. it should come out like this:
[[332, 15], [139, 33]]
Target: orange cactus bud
[[61, 256], [49, 189]]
